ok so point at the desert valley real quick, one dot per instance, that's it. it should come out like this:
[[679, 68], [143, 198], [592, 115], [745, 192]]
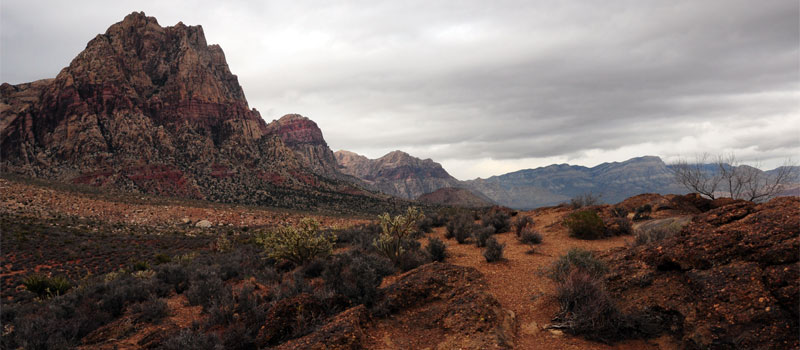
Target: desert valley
[[145, 204]]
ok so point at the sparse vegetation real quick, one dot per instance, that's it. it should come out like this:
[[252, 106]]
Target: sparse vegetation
[[585, 224], [520, 223], [396, 232], [584, 200], [709, 176], [577, 259], [460, 228], [298, 244], [655, 234], [481, 235], [497, 219], [45, 286], [493, 251], [436, 249]]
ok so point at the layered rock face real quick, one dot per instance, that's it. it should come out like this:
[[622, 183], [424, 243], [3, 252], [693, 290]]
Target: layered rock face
[[304, 137], [156, 109], [397, 173]]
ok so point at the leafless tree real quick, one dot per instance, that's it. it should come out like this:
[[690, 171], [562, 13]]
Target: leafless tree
[[724, 174]]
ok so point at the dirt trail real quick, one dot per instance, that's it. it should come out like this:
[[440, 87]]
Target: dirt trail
[[520, 285]]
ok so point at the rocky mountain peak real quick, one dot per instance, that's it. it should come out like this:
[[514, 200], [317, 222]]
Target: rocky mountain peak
[[397, 173]]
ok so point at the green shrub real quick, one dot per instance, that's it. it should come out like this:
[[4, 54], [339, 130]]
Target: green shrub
[[436, 249], [45, 286], [300, 243], [397, 233], [576, 259], [493, 251], [140, 266], [585, 224], [520, 223]]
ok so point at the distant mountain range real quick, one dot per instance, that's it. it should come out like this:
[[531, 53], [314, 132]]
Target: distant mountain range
[[555, 184]]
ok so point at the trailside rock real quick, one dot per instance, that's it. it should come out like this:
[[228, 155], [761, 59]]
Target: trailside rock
[[451, 301], [728, 280]]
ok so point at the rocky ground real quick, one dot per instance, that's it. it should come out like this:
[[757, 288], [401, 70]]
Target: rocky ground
[[727, 280]]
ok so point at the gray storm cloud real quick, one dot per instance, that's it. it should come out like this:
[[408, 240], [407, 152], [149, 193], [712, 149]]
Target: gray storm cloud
[[484, 87]]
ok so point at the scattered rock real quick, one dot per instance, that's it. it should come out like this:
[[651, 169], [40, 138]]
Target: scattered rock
[[203, 224]]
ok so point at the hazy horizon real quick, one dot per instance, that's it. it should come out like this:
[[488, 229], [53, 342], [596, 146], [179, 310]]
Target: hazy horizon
[[484, 88]]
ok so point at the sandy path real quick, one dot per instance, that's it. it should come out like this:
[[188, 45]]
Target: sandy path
[[520, 286]]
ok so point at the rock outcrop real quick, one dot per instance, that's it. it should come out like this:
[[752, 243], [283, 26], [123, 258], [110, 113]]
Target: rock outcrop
[[156, 109], [397, 173], [728, 280]]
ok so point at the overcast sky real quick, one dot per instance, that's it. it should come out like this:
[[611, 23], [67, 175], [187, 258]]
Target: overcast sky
[[483, 87]]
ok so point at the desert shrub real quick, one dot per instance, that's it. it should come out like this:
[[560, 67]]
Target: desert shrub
[[313, 268], [585, 224], [520, 223], [152, 311], [162, 259], [460, 228], [189, 339], [585, 308], [481, 234], [411, 259], [300, 243], [619, 226], [361, 236], [175, 275], [356, 277], [655, 234], [619, 212], [396, 232], [45, 286], [499, 220], [221, 311], [436, 249], [584, 200], [140, 266], [530, 237], [205, 287], [576, 259], [493, 251], [116, 294]]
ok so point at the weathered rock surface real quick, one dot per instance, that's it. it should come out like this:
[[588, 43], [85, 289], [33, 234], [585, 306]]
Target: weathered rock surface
[[443, 306], [728, 280], [397, 173], [156, 109]]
